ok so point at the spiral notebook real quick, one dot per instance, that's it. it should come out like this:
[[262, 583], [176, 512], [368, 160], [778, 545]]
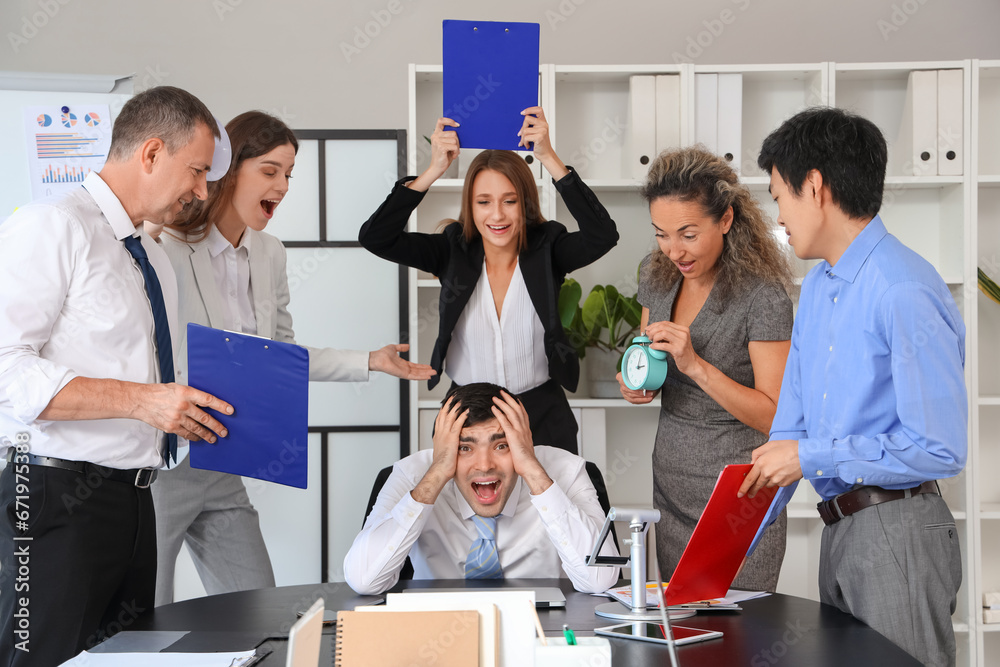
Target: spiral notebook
[[407, 638]]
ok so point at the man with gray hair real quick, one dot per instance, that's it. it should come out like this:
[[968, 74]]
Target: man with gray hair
[[88, 407]]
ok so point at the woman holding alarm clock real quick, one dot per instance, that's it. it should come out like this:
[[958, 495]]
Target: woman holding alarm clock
[[714, 299], [501, 266]]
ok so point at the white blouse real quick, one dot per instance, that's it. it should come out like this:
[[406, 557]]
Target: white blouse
[[231, 267], [509, 350]]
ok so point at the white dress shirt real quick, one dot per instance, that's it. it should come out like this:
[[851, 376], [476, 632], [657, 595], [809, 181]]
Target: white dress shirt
[[508, 351], [232, 274], [73, 303], [543, 536]]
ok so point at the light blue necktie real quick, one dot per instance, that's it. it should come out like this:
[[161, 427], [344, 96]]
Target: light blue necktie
[[484, 561], [164, 351]]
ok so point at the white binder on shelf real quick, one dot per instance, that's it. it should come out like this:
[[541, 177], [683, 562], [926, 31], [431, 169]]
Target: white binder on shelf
[[536, 165], [950, 126], [668, 112], [915, 152], [706, 111], [640, 146], [730, 133]]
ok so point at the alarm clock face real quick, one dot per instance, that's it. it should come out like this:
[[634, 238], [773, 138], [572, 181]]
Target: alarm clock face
[[636, 367]]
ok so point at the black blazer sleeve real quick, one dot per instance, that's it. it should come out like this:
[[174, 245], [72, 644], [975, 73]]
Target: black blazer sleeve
[[385, 235], [598, 233]]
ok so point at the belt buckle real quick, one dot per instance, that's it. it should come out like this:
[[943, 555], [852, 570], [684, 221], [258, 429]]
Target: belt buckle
[[835, 502], [144, 483]]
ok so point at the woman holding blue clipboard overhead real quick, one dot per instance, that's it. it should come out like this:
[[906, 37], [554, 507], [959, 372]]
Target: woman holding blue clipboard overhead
[[231, 275], [501, 267]]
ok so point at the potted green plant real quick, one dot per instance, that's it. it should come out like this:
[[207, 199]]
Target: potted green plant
[[605, 324]]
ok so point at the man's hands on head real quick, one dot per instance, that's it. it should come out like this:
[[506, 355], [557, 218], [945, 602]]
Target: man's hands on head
[[447, 429], [514, 421]]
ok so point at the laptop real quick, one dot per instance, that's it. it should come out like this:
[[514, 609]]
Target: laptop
[[546, 597]]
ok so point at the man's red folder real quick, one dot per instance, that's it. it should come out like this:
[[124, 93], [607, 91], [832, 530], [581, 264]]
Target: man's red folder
[[714, 554]]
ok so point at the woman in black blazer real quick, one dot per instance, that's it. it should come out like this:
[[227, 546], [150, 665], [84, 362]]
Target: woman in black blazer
[[501, 267]]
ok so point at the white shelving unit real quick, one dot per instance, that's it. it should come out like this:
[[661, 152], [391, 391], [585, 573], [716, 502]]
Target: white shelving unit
[[953, 221], [985, 321]]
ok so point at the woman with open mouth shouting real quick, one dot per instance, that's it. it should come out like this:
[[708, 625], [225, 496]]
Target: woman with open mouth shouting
[[501, 267], [231, 275]]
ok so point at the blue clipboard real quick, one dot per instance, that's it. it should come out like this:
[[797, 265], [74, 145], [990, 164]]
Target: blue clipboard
[[267, 383], [490, 77]]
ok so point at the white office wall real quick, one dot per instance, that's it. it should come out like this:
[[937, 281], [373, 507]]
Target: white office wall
[[323, 64]]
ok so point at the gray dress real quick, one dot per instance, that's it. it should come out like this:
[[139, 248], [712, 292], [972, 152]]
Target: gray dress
[[696, 438]]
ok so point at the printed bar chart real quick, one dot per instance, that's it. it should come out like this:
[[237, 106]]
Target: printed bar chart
[[64, 174]]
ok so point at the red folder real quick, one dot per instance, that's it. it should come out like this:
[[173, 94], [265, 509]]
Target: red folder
[[714, 554]]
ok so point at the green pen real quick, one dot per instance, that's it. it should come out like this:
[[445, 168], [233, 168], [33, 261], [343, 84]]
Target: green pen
[[570, 637]]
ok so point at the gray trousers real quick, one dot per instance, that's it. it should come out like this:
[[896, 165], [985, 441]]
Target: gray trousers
[[897, 567], [213, 514]]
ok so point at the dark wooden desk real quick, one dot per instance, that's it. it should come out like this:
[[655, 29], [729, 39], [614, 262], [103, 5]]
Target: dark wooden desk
[[776, 630]]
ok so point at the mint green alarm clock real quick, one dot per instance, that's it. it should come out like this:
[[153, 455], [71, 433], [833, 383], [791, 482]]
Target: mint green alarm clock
[[642, 366]]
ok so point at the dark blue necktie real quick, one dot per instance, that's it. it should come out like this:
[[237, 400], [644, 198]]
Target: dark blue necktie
[[164, 350]]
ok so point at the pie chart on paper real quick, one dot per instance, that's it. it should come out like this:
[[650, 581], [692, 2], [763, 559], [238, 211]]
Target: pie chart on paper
[[92, 119], [44, 120], [69, 119]]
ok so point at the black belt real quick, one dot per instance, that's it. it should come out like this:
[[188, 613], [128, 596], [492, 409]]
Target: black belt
[[846, 504], [139, 477]]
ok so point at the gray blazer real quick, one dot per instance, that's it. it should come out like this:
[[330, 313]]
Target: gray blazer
[[200, 301]]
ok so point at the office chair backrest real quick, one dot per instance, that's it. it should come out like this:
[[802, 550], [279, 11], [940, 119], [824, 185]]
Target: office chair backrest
[[380, 479], [597, 479]]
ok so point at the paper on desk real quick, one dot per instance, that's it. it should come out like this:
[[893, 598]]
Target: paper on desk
[[87, 659], [142, 641], [733, 597]]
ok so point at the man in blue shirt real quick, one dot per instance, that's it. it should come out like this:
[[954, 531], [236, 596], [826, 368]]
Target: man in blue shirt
[[872, 407]]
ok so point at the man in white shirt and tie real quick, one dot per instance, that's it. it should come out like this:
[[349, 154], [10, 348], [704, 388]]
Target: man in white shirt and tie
[[484, 503], [88, 305]]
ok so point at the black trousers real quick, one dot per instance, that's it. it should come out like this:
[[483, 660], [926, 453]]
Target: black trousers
[[550, 417], [78, 559]]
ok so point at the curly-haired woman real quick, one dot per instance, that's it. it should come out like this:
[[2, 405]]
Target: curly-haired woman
[[714, 296]]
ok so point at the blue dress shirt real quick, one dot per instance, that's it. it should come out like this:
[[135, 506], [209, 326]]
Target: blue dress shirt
[[874, 386]]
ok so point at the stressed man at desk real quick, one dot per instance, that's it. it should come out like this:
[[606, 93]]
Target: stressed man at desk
[[485, 503]]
